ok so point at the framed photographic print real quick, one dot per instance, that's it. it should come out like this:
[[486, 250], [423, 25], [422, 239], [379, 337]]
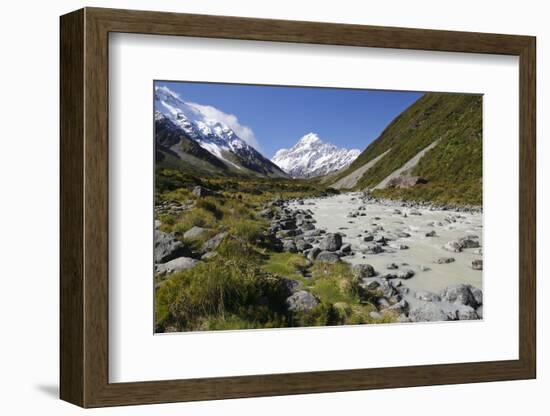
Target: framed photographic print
[[260, 207]]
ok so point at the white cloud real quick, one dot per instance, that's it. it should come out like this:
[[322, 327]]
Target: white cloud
[[212, 113]]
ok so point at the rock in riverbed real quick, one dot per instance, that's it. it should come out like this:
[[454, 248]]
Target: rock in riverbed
[[331, 242], [362, 271], [477, 264], [463, 294], [327, 257]]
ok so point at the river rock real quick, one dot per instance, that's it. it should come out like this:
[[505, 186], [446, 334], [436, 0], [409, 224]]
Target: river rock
[[302, 245], [176, 265], [301, 301], [398, 308], [313, 253], [405, 274], [462, 294], [372, 248], [331, 242], [453, 246], [368, 237], [428, 312], [444, 260], [313, 233], [477, 264], [469, 242], [307, 226], [167, 247], [362, 271], [289, 246], [399, 246], [327, 257], [427, 296]]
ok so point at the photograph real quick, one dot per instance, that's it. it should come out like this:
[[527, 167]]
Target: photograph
[[288, 206]]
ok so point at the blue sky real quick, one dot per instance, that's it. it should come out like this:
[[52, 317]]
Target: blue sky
[[280, 116]]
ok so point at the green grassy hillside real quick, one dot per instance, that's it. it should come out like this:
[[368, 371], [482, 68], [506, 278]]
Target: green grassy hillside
[[453, 168]]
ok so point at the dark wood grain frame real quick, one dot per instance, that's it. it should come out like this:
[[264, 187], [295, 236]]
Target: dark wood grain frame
[[84, 207]]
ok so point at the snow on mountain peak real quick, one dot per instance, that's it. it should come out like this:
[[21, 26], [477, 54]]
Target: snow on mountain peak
[[308, 139], [211, 134], [310, 156], [205, 125]]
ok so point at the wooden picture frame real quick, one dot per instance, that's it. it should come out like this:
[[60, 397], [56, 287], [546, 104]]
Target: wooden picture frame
[[84, 207]]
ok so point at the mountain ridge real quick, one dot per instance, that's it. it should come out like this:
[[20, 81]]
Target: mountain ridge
[[452, 169], [213, 136], [311, 157]]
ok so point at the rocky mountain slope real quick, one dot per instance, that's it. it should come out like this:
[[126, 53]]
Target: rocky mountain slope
[[312, 157], [184, 133], [432, 151]]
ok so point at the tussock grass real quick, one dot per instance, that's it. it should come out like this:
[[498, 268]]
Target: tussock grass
[[286, 265]]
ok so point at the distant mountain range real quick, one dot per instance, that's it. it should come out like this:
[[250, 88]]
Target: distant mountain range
[[310, 157], [186, 138], [431, 151]]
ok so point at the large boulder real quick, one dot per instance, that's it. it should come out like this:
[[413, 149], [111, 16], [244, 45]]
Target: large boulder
[[463, 294], [471, 241], [331, 242], [362, 271], [301, 301], [440, 311], [214, 242], [194, 232], [428, 312], [327, 257], [167, 247], [176, 265]]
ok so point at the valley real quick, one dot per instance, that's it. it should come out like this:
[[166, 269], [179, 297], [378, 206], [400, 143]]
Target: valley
[[319, 234]]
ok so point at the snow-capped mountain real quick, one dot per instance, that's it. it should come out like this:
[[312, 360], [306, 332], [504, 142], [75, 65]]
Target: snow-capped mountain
[[210, 134], [313, 157]]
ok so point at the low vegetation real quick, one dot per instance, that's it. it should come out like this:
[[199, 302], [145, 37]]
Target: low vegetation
[[453, 168], [245, 284]]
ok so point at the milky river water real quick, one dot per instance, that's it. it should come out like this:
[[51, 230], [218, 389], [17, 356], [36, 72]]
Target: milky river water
[[331, 214]]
